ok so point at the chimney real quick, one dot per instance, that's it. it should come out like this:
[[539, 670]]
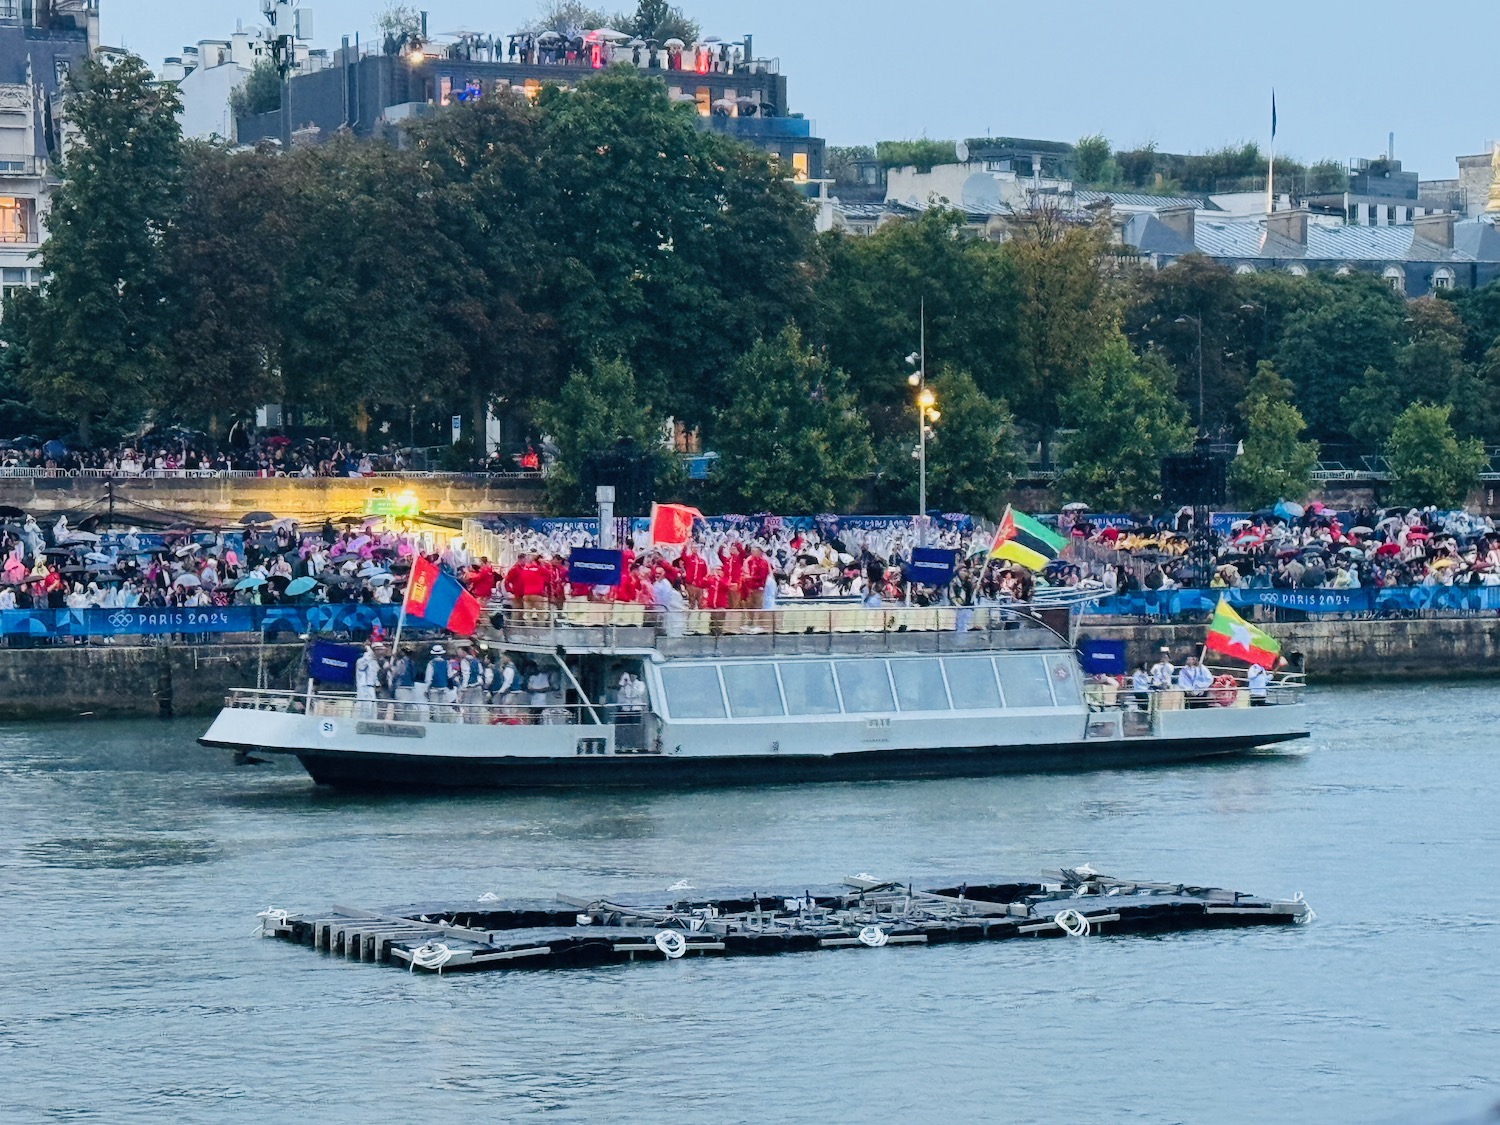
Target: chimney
[[1437, 229], [1290, 225], [1181, 221]]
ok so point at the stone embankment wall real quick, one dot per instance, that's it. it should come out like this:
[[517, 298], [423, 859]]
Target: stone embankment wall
[[226, 499], [1395, 649], [191, 679], [103, 681]]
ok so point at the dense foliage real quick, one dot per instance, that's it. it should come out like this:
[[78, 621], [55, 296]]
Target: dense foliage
[[593, 268]]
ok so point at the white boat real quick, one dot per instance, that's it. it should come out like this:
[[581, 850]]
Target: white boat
[[795, 694]]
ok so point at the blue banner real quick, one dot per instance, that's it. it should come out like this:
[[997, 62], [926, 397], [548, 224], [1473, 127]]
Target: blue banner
[[931, 566], [588, 566], [329, 663], [1378, 600], [1102, 658], [147, 621]]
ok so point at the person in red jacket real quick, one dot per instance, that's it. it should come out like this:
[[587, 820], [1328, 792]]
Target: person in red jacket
[[732, 563], [756, 573], [714, 597], [694, 575], [512, 586], [482, 581]]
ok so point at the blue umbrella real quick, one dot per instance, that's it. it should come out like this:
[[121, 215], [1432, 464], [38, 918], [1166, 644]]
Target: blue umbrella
[[301, 585], [250, 582]]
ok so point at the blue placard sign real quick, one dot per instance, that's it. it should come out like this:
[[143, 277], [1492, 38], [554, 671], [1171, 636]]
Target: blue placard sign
[[588, 566], [932, 566]]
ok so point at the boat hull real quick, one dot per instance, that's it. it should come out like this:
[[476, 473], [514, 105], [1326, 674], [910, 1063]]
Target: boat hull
[[371, 771]]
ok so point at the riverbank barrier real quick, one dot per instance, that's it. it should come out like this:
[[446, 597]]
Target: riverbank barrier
[[160, 676], [1338, 651]]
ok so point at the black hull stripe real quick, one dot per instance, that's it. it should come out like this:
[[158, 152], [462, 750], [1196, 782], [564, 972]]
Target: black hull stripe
[[384, 772]]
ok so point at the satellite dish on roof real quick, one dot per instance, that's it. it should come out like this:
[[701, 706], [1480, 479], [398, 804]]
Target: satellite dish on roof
[[981, 192], [962, 151]]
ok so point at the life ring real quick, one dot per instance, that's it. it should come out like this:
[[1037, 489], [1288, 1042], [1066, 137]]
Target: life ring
[[1071, 923], [670, 942], [1225, 690], [874, 936]]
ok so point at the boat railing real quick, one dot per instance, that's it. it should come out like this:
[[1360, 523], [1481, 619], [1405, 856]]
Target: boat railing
[[1230, 689], [788, 629], [512, 710]]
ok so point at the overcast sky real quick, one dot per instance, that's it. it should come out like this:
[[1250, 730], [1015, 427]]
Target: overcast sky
[[1188, 75]]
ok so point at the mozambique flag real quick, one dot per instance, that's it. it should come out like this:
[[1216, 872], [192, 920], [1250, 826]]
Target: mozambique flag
[[1021, 539], [1232, 635]]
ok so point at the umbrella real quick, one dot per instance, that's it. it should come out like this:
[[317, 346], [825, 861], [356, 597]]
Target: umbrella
[[250, 581], [379, 579], [82, 537], [1353, 552], [187, 580], [723, 103], [11, 511], [358, 541], [684, 98], [1076, 506], [1361, 530], [674, 44], [301, 585], [256, 517], [277, 439], [1385, 550], [608, 34], [1289, 510], [370, 571], [548, 36]]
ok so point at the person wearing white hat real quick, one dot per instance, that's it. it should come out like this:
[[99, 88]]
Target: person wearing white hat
[[437, 687]]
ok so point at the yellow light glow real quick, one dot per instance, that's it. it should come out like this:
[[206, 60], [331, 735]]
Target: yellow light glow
[[926, 398], [915, 378], [933, 415]]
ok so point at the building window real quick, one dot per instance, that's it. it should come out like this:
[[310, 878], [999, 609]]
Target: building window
[[60, 69], [1395, 277], [1442, 279], [705, 101], [17, 219], [799, 166]]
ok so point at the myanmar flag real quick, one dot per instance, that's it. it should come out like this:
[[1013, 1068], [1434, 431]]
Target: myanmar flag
[[1021, 539], [1232, 635]]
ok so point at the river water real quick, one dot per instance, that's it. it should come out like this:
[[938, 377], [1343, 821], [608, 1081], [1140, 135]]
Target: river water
[[133, 863]]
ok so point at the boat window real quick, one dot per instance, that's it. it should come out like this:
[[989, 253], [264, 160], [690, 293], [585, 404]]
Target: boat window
[[752, 690], [1065, 684], [919, 684], [866, 686], [971, 680], [1024, 679], [809, 687], [693, 692]]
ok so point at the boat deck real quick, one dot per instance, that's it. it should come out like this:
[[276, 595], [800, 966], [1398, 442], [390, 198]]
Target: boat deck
[[859, 912]]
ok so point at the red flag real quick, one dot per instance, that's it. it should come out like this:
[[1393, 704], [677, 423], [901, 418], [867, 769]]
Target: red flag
[[440, 599], [672, 524]]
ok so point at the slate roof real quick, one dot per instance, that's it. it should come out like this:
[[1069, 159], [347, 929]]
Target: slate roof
[[1473, 242]]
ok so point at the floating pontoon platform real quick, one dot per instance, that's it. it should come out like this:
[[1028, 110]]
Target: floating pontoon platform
[[862, 911]]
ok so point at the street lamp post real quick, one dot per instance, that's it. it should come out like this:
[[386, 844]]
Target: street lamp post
[[926, 412]]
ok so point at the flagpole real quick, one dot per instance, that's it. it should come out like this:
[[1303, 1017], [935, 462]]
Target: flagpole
[[401, 621], [1271, 165]]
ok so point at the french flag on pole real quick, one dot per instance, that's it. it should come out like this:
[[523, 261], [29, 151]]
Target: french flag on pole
[[440, 599]]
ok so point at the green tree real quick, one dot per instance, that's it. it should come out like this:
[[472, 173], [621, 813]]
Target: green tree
[[488, 192], [596, 411], [671, 246], [1068, 311], [225, 261], [792, 440], [97, 334], [924, 153], [1371, 406], [659, 20], [260, 92], [973, 453], [1276, 463], [1092, 159], [1125, 419], [839, 161], [1429, 463], [1326, 347], [868, 304]]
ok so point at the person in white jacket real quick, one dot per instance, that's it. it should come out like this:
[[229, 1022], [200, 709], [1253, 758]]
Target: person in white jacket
[[366, 680]]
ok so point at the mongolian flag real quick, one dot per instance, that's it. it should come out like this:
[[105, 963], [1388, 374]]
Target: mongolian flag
[[1232, 635], [1021, 539], [440, 599], [672, 524]]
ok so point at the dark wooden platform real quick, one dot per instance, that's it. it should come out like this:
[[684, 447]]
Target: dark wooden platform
[[860, 912]]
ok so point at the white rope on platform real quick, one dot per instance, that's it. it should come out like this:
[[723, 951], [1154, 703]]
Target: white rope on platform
[[873, 936], [1072, 923], [670, 942], [432, 956], [271, 920]]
